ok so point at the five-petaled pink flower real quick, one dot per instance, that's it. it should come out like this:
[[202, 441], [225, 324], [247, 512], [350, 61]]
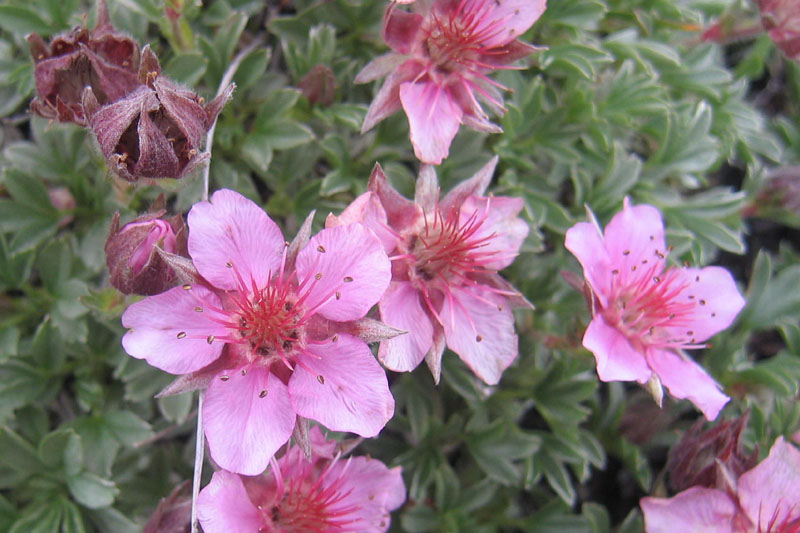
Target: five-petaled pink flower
[[271, 324], [646, 313], [438, 68], [445, 257], [327, 493], [765, 499]]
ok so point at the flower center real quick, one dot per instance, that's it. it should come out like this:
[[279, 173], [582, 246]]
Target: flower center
[[311, 505], [448, 250], [643, 306], [270, 320], [456, 41]]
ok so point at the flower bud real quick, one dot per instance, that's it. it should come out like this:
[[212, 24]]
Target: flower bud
[[103, 59], [781, 19], [62, 200], [701, 456], [134, 265], [319, 85], [157, 131], [173, 514]]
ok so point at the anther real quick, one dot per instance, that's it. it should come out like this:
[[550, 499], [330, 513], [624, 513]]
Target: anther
[[244, 371], [187, 287], [348, 279], [224, 378], [659, 254], [198, 309], [702, 302], [478, 338], [229, 264], [210, 339], [262, 394], [615, 271], [321, 249], [626, 252], [656, 279], [182, 334], [697, 278], [318, 276], [338, 295], [335, 337], [321, 379]]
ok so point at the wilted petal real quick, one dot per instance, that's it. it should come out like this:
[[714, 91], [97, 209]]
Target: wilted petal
[[341, 385], [349, 268], [247, 417], [400, 29], [170, 334], [695, 510], [770, 492], [230, 229], [616, 359], [480, 329], [379, 67], [157, 159], [223, 506], [686, 379], [400, 211], [401, 308], [474, 186], [433, 118]]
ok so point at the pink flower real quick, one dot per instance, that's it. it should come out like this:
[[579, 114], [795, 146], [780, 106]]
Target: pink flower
[[781, 19], [765, 499], [646, 313], [441, 57], [445, 286], [273, 326], [327, 493]]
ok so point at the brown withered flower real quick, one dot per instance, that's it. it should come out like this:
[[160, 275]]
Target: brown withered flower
[[103, 59], [157, 131], [134, 264], [319, 85], [710, 458]]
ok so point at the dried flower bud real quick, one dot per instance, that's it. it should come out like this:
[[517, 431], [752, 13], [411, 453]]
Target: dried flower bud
[[156, 131], [173, 514], [134, 265], [697, 459], [103, 59], [319, 85], [781, 19], [62, 200]]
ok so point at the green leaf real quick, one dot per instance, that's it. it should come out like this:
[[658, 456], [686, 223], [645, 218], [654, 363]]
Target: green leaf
[[21, 20], [17, 453], [91, 490], [251, 68], [581, 59], [187, 68]]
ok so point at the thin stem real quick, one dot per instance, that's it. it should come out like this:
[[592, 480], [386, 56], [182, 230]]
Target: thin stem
[[199, 454], [226, 80]]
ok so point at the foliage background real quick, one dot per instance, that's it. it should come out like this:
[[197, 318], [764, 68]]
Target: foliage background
[[626, 100]]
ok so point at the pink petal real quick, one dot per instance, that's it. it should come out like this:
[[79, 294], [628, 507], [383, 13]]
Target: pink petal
[[400, 307], [349, 271], [586, 244], [717, 302], [686, 379], [379, 67], [401, 213], [479, 327], [371, 490], [223, 506], [474, 186], [634, 240], [170, 334], [502, 231], [697, 509], [387, 101], [616, 359], [400, 29], [368, 210], [770, 492], [230, 229], [433, 118], [342, 386], [426, 193], [244, 425], [498, 22]]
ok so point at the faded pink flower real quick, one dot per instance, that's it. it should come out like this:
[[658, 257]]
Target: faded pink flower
[[326, 494], [445, 257], [781, 19], [441, 55], [765, 499], [273, 325], [646, 313]]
